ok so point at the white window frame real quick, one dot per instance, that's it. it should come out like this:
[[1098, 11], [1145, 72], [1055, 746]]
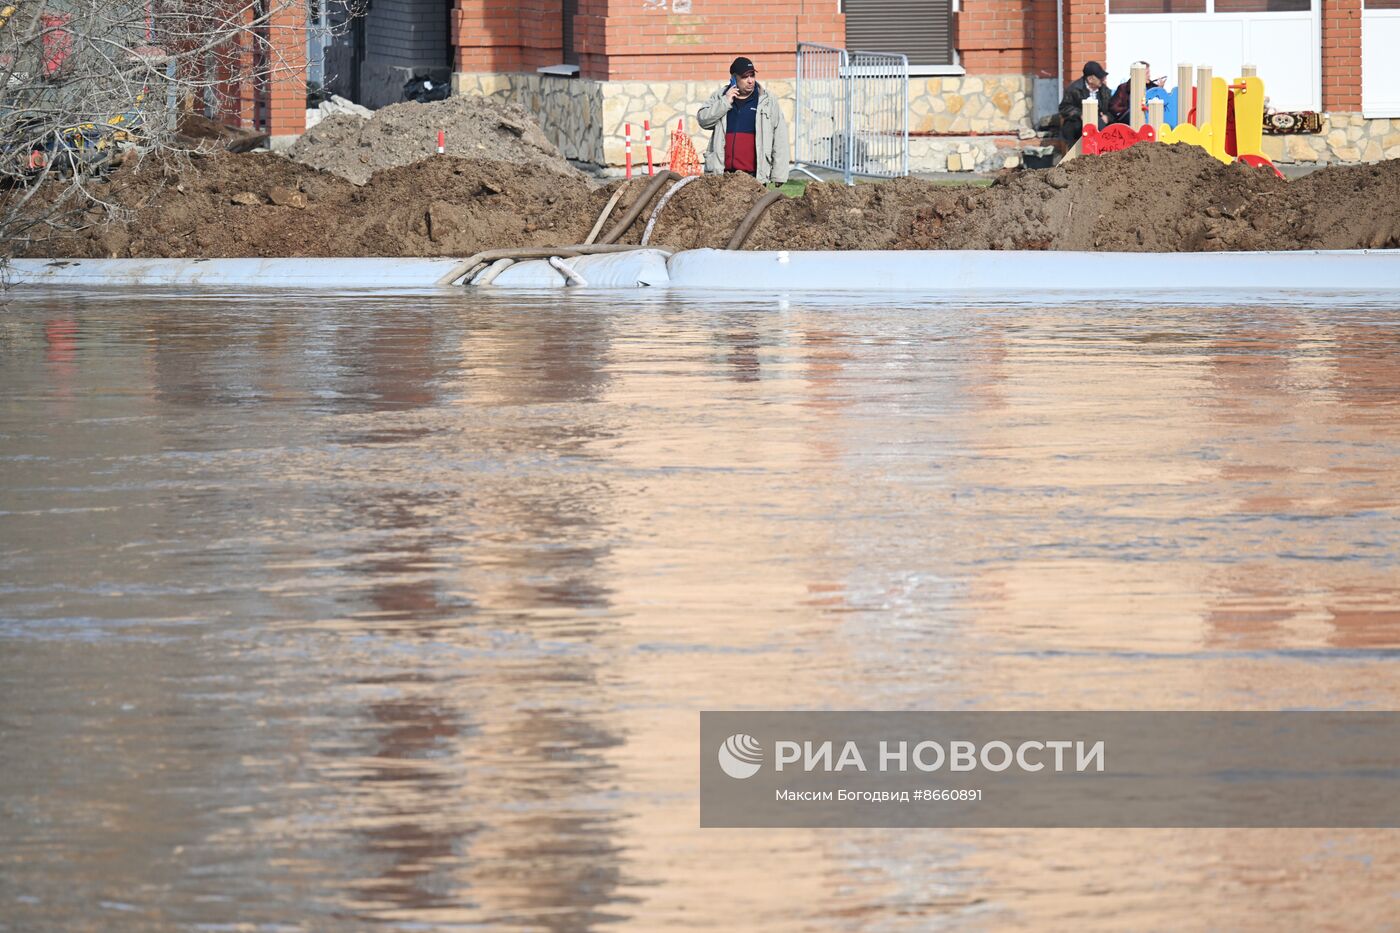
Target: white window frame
[[1389, 108], [1315, 7]]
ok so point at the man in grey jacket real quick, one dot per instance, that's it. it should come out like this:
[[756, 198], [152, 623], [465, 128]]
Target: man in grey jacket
[[748, 132]]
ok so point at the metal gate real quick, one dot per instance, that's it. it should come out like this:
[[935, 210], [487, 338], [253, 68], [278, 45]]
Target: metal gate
[[852, 112]]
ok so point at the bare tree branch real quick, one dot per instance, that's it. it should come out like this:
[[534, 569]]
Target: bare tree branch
[[84, 83]]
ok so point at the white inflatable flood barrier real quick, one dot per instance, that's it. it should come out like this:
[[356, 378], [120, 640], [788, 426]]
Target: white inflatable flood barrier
[[967, 271], [1033, 272], [1029, 273], [233, 273]]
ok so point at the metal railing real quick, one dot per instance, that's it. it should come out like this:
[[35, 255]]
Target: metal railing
[[852, 113], [822, 114]]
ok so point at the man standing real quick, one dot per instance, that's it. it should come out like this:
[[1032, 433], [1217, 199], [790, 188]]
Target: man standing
[[748, 132], [1071, 105]]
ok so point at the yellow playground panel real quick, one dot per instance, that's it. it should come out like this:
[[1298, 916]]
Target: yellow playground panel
[[1226, 119]]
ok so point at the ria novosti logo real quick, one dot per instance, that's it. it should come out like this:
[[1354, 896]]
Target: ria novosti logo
[[741, 756]]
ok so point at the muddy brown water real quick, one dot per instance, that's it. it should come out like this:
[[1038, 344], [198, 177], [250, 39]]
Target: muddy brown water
[[396, 611]]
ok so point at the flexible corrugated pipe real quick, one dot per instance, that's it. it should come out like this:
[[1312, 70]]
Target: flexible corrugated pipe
[[467, 267], [635, 211], [741, 233]]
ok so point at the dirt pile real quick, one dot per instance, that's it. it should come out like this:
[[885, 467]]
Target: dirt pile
[[198, 133], [266, 205], [703, 213], [477, 128], [1154, 198], [1161, 198], [1148, 198]]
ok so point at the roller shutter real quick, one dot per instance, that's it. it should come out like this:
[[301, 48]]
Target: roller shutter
[[921, 29]]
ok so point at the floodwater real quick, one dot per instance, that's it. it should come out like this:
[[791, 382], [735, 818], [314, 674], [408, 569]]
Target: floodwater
[[397, 611]]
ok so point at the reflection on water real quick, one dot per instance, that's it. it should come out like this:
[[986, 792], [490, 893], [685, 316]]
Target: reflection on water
[[400, 609]]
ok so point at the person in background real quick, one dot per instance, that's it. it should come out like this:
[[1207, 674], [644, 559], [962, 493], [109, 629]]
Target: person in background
[[1071, 105], [748, 133]]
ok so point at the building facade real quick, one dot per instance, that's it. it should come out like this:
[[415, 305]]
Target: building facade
[[371, 57], [983, 72], [276, 103]]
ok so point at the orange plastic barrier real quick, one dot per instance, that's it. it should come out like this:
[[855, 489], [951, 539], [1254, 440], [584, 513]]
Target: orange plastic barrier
[[683, 157]]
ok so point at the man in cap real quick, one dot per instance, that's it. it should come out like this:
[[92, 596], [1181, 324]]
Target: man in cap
[[1092, 82], [748, 133]]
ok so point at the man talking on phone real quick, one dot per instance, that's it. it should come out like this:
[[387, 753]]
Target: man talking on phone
[[748, 133]]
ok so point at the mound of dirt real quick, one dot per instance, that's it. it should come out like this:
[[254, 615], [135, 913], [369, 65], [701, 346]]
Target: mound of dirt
[[702, 214], [1148, 198], [266, 205], [197, 132], [477, 128], [833, 216]]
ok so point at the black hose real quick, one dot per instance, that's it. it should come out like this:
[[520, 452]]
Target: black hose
[[635, 211], [741, 233]]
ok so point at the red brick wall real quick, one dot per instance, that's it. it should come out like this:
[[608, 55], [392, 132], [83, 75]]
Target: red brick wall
[[1341, 55], [644, 44], [1042, 17], [508, 35], [589, 37], [234, 95], [998, 36], [279, 95], [286, 87], [1178, 6], [1086, 38], [628, 40]]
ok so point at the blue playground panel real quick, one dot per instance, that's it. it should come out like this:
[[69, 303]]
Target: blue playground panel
[[1169, 105]]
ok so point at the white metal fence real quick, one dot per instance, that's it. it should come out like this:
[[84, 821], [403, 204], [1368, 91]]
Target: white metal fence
[[852, 113]]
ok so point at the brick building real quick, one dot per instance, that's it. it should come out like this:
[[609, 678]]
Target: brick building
[[982, 70], [276, 106], [368, 58]]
